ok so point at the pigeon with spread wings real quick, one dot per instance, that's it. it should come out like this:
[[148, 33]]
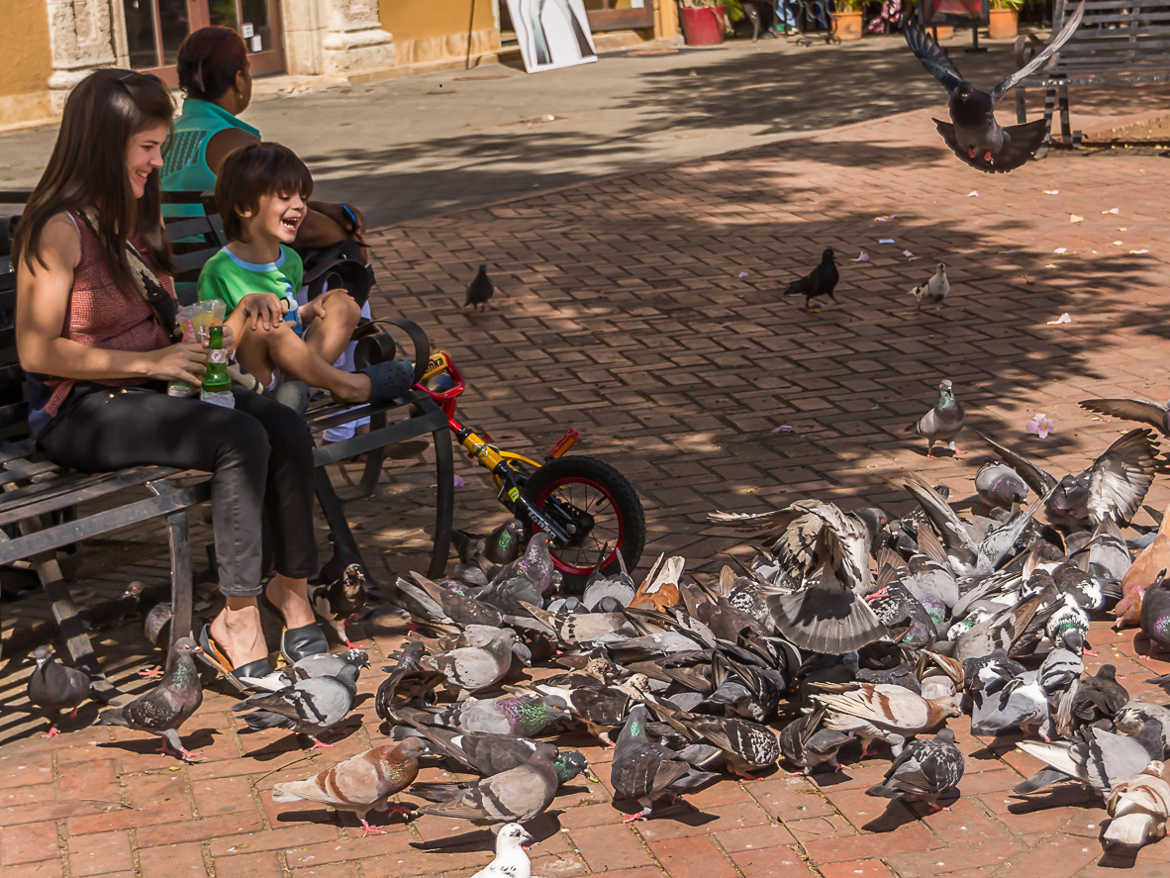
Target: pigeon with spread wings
[[973, 134]]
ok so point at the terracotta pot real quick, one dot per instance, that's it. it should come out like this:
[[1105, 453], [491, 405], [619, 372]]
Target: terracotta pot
[[945, 32], [1003, 24], [848, 25]]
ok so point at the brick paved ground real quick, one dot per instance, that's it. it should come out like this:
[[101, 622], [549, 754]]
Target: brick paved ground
[[622, 312]]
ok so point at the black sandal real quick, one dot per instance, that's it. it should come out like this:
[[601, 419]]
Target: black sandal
[[257, 671], [296, 643]]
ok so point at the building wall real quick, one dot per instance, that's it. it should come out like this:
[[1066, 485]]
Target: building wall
[[24, 46], [435, 31]]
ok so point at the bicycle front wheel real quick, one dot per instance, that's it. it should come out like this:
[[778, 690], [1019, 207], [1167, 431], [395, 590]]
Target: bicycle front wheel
[[592, 501]]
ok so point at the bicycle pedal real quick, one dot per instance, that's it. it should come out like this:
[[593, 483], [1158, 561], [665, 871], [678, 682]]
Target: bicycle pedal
[[563, 445]]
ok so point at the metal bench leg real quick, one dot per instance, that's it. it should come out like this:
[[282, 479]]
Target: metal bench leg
[[444, 502], [181, 587], [72, 630], [345, 547], [374, 459], [1021, 106], [1066, 134]]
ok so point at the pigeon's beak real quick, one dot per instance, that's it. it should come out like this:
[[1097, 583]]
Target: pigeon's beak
[[590, 776]]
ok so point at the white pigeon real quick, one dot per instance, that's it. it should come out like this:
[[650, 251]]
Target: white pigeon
[[1139, 808], [511, 861], [934, 290]]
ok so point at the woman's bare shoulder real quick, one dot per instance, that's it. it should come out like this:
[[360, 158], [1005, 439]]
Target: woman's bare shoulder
[[59, 244]]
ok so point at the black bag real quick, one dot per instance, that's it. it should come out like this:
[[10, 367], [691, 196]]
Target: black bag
[[339, 266]]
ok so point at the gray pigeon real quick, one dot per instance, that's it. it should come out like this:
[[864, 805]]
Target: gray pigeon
[[805, 744], [943, 422], [645, 772], [1130, 718], [1000, 486], [1099, 759], [310, 707], [481, 752], [328, 664], [54, 687], [934, 289], [480, 290], [1155, 619], [514, 796], [1020, 705], [524, 715], [926, 770], [168, 705], [471, 669], [973, 134]]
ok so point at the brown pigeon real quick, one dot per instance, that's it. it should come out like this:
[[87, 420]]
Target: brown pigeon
[[360, 783]]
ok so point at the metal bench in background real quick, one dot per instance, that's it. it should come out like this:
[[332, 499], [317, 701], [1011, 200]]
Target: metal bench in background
[[1119, 41], [38, 504]]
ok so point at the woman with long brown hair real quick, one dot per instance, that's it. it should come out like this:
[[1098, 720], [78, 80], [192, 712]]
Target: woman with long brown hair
[[95, 332]]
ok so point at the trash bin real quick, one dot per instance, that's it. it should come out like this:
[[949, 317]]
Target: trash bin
[[702, 25]]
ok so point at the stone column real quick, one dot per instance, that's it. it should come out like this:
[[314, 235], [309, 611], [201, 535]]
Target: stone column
[[354, 40], [80, 40]]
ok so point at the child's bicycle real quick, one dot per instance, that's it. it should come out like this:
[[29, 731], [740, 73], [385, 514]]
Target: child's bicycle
[[587, 508]]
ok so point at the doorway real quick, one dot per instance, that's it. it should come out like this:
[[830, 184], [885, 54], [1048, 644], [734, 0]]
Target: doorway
[[156, 28]]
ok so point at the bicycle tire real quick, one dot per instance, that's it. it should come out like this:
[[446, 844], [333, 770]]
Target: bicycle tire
[[607, 481]]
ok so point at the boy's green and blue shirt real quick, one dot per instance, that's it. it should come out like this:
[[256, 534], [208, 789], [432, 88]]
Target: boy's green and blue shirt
[[229, 278]]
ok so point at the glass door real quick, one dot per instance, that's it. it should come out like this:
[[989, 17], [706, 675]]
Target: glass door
[[156, 28]]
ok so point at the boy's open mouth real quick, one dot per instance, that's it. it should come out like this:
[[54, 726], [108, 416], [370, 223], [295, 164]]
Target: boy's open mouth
[[292, 223]]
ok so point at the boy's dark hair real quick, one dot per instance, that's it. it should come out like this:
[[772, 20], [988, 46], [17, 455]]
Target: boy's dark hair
[[251, 172], [209, 60]]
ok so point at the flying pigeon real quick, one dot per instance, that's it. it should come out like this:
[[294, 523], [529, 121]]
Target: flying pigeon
[[511, 860], [924, 771], [973, 133], [361, 783], [943, 422], [821, 281], [480, 290], [168, 705], [54, 687], [1144, 411], [934, 289]]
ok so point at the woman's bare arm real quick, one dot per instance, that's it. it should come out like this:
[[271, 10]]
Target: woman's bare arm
[[42, 302]]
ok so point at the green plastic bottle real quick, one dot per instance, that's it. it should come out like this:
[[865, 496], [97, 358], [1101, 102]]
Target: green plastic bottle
[[217, 384]]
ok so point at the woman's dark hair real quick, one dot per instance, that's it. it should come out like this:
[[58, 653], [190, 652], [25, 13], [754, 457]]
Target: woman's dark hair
[[253, 171], [88, 169], [209, 60]]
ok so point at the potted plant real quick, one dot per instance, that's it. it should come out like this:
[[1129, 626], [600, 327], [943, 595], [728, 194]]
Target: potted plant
[[848, 18], [703, 21], [1003, 19]]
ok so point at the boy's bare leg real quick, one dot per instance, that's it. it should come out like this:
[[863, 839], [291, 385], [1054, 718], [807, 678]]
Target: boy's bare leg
[[285, 350], [329, 333], [252, 355]]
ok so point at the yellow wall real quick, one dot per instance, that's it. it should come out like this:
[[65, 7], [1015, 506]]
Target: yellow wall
[[24, 46], [416, 19]]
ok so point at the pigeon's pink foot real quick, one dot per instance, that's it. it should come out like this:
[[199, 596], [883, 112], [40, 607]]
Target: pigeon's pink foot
[[371, 830], [1090, 651], [156, 671], [398, 808], [318, 744], [930, 452], [349, 644], [52, 732], [188, 756], [987, 157], [880, 593], [634, 818]]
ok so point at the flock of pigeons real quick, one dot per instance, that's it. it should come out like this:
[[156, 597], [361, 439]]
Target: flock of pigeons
[[845, 627]]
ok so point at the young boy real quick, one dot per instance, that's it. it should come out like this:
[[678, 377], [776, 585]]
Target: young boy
[[262, 194]]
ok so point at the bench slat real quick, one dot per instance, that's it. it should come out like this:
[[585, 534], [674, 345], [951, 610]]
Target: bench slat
[[70, 488], [95, 525]]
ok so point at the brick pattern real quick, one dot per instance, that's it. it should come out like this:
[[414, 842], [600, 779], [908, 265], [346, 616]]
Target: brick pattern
[[622, 312]]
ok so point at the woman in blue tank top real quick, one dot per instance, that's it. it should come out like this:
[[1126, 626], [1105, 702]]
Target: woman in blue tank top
[[216, 78]]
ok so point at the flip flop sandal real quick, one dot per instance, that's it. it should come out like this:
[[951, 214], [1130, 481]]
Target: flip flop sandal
[[296, 643], [389, 380], [215, 658]]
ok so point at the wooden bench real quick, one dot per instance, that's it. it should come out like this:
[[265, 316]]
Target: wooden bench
[[1119, 41], [41, 499]]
